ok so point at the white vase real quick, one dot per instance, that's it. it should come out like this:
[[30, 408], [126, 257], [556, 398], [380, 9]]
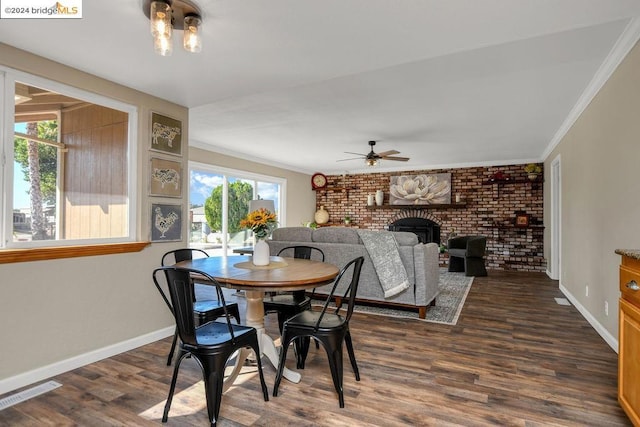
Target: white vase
[[260, 253], [321, 216], [369, 199], [379, 197]]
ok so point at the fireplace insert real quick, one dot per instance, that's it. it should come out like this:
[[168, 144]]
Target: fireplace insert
[[427, 231]]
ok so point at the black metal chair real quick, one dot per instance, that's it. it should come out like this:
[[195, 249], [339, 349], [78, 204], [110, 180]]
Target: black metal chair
[[204, 310], [210, 344], [288, 304], [330, 329]]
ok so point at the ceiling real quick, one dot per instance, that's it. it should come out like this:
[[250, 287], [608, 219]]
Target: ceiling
[[296, 83]]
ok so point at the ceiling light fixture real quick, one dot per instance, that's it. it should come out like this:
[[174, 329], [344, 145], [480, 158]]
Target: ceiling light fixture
[[167, 15], [371, 162]]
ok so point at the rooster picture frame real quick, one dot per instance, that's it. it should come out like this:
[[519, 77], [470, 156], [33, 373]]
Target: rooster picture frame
[[166, 222]]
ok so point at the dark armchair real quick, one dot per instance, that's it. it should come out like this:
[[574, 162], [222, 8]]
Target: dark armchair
[[466, 253]]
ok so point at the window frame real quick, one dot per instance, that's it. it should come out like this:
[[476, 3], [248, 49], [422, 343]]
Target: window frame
[[8, 78], [244, 175]]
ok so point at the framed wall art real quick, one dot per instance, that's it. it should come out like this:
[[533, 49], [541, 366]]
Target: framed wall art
[[166, 134], [522, 219], [424, 189], [166, 222], [165, 178]]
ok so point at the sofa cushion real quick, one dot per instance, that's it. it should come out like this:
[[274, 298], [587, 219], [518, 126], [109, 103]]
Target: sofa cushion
[[336, 235], [293, 234]]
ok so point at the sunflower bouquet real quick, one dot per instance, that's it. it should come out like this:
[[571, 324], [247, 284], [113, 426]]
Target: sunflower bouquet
[[262, 222]]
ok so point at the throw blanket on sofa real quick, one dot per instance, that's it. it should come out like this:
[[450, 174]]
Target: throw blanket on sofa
[[383, 250]]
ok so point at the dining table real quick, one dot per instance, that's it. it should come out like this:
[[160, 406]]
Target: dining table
[[281, 274]]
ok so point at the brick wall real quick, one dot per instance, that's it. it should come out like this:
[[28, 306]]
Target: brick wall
[[489, 210]]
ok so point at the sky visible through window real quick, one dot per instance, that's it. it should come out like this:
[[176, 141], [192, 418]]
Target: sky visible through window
[[201, 184], [20, 186]]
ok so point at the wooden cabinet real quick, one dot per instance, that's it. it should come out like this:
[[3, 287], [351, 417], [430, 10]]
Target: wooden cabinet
[[629, 338]]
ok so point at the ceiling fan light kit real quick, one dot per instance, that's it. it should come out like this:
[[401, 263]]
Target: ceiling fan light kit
[[165, 16]]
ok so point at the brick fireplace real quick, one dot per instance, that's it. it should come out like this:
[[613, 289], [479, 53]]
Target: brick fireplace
[[487, 209]]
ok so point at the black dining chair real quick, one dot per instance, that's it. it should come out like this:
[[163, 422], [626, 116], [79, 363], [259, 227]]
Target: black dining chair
[[210, 344], [287, 304], [330, 329], [203, 310]]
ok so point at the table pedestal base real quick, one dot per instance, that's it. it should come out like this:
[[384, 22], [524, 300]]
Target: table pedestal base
[[255, 318]]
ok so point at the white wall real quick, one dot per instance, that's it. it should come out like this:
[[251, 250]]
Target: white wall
[[600, 166], [59, 314]]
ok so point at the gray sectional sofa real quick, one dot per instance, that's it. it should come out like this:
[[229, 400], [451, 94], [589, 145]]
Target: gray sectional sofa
[[341, 244]]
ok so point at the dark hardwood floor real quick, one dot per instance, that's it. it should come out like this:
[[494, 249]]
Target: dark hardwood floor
[[515, 358]]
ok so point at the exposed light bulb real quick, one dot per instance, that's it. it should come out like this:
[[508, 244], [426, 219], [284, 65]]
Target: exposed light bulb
[[192, 41], [160, 19], [163, 46]]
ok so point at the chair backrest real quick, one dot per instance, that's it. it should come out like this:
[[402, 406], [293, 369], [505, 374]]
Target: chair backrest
[[184, 254], [303, 252], [180, 286], [350, 292]]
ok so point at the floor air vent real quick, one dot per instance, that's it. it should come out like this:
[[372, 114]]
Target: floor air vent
[[28, 394], [562, 301]]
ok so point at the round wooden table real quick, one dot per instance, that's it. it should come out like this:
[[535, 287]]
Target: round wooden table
[[282, 274]]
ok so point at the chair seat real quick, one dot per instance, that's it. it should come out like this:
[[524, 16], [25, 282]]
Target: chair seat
[[279, 301], [458, 252], [217, 333], [309, 319]]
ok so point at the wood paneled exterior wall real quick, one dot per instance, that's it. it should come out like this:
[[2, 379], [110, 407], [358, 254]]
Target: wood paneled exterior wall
[[94, 193]]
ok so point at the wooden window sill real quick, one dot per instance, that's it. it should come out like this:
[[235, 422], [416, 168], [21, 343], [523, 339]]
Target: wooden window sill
[[39, 254]]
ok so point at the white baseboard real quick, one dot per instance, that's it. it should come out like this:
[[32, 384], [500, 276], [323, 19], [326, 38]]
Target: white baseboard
[[609, 339], [39, 374]]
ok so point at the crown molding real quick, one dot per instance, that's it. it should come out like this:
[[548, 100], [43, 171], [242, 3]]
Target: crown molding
[[621, 48]]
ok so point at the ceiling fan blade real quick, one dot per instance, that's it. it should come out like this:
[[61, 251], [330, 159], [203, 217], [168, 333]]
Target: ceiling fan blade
[[388, 153], [357, 154], [353, 158], [401, 159]]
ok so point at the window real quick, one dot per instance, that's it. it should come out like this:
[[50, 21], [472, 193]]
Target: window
[[67, 176], [219, 198]]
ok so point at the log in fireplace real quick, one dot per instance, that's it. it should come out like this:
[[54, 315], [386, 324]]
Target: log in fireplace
[[427, 231]]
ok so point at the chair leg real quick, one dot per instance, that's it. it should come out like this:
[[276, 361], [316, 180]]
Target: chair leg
[[213, 375], [173, 347], [352, 356], [334, 354], [285, 341], [301, 346], [235, 313], [282, 317], [172, 388], [263, 384]]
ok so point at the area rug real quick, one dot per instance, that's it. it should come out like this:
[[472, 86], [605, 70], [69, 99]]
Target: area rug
[[454, 288]]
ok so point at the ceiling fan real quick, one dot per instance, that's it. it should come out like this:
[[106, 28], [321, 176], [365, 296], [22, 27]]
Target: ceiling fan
[[373, 158]]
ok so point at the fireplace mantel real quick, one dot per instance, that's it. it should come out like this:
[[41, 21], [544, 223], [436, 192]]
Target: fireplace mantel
[[419, 207]]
